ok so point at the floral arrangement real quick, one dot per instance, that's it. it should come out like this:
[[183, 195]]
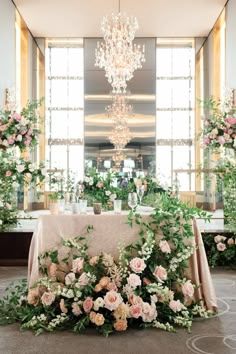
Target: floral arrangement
[[96, 188], [219, 123], [146, 287], [220, 250], [20, 129]]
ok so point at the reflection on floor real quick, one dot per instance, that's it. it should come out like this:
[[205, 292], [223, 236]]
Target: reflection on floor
[[216, 335]]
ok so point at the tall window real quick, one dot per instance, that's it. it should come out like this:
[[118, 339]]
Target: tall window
[[65, 105], [175, 127]]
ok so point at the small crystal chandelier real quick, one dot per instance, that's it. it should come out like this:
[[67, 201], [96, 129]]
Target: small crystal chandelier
[[119, 111], [120, 136], [117, 54]]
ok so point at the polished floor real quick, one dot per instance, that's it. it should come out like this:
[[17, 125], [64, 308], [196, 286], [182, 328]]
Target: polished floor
[[213, 336]]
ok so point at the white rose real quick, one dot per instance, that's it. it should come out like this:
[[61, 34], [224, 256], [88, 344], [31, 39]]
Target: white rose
[[31, 167], [99, 302], [44, 171], [86, 179], [112, 197], [70, 277], [20, 168], [108, 193], [19, 137]]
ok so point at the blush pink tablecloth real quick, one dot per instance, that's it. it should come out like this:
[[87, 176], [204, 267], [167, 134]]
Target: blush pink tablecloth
[[109, 231]]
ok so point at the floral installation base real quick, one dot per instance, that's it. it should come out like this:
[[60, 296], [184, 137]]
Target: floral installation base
[[145, 287]]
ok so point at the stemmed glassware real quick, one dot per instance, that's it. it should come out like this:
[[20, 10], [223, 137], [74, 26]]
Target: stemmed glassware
[[140, 193], [132, 200]]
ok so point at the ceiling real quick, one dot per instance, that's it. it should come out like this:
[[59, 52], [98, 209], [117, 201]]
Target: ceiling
[[157, 18]]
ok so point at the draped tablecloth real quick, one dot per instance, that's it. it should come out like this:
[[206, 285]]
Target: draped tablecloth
[[108, 231]]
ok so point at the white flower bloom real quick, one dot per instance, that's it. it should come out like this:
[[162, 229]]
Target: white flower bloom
[[99, 302], [19, 137], [20, 168], [15, 185]]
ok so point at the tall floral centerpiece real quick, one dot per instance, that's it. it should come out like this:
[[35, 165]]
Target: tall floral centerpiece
[[18, 132], [219, 135]]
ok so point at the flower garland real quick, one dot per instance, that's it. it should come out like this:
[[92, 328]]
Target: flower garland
[[219, 123], [141, 289]]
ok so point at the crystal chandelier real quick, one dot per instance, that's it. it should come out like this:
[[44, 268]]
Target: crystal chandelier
[[119, 111], [117, 54], [120, 136]]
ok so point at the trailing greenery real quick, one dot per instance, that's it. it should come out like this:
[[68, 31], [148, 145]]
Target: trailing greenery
[[146, 287]]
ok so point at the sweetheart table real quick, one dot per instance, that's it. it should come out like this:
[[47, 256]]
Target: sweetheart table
[[109, 230]]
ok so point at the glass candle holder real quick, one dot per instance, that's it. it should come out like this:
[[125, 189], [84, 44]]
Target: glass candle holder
[[97, 208]]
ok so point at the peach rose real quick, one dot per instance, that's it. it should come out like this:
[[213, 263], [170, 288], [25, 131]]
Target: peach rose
[[175, 305], [62, 306], [77, 265], [164, 247], [188, 289], [47, 298], [112, 300], [88, 304], [92, 316], [99, 319], [136, 311], [219, 238], [120, 325], [76, 309], [137, 265], [230, 241], [33, 296], [97, 288], [93, 261], [8, 173], [134, 280], [221, 246], [160, 273], [104, 281], [99, 184]]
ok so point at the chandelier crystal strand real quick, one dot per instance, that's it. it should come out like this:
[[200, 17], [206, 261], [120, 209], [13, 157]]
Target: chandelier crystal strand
[[120, 136], [117, 54], [119, 111]]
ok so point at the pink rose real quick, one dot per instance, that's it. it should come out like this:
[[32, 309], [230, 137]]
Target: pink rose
[[77, 264], [146, 281], [230, 120], [221, 140], [160, 273], [47, 298], [175, 305], [99, 184], [83, 279], [206, 140], [219, 238], [149, 312], [88, 304], [11, 141], [8, 206], [221, 246], [230, 241], [188, 289], [136, 311], [134, 280], [17, 117], [93, 260], [137, 265], [134, 299], [112, 300], [111, 286], [164, 247], [62, 306], [8, 173]]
